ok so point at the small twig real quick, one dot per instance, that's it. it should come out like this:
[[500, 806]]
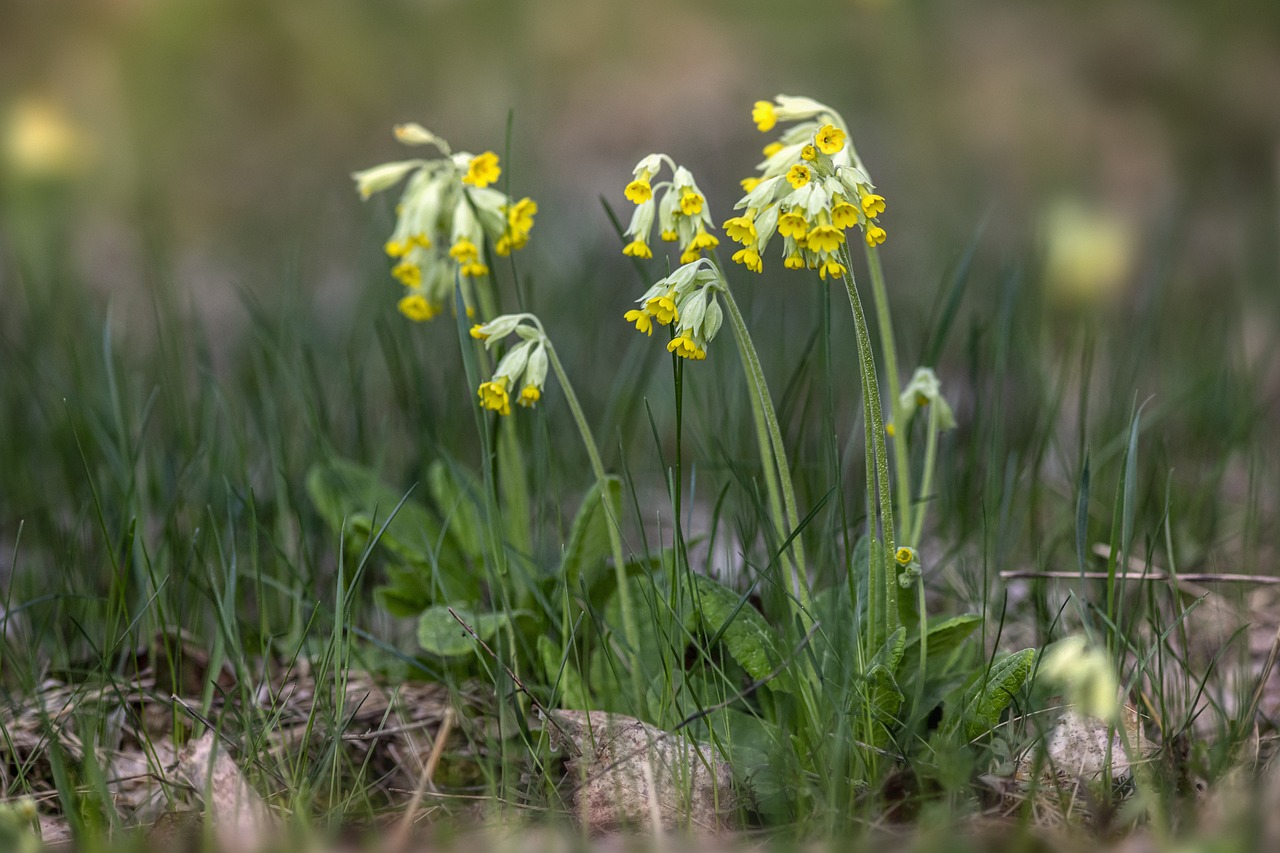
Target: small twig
[[379, 734], [516, 679], [400, 839], [1194, 577]]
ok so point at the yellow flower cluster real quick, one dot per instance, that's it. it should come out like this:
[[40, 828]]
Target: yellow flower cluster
[[810, 189], [686, 299], [677, 204], [446, 213], [524, 366]]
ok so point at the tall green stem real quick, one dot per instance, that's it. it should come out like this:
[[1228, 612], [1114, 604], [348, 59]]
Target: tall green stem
[[901, 456], [762, 402], [615, 535], [875, 438]]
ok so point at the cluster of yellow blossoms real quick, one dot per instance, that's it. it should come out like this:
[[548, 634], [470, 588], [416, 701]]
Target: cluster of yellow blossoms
[[524, 366], [811, 188], [687, 299], [678, 205], [445, 214]]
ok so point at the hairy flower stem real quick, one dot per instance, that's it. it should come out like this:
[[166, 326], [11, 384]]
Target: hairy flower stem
[[630, 629], [762, 406], [874, 426], [901, 457]]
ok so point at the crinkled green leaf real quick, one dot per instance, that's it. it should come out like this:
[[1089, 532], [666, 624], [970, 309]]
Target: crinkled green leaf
[[744, 632], [457, 494], [986, 698], [945, 637]]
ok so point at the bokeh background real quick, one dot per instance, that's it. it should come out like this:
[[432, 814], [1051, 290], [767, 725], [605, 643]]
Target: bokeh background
[[216, 136], [1105, 172]]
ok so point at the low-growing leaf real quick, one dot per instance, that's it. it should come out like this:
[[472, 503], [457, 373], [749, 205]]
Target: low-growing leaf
[[440, 634], [986, 699], [944, 637], [561, 675], [588, 544], [749, 639], [457, 494]]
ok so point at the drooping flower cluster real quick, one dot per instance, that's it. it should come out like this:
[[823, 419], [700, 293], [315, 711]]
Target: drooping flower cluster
[[522, 371], [446, 213], [678, 205], [811, 188], [686, 299], [924, 389]]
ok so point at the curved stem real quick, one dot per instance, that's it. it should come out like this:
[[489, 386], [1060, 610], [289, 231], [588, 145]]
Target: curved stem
[[926, 481], [615, 536], [760, 389], [875, 437], [901, 456]]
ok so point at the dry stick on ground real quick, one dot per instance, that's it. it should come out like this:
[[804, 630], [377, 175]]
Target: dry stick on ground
[[400, 840], [516, 679], [1193, 577]]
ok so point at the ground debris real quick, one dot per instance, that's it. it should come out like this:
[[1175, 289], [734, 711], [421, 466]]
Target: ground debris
[[626, 773]]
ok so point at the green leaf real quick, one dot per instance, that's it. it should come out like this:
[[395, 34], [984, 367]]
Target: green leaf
[[458, 494], [440, 634], [406, 593], [588, 544], [890, 654], [944, 638], [561, 675], [882, 695], [986, 699], [745, 633]]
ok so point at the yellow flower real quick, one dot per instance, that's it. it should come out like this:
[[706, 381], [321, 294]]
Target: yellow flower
[[793, 262], [463, 251], [764, 116], [772, 148], [903, 555], [741, 229], [872, 205], [889, 429], [684, 347], [639, 191], [529, 395], [637, 249], [750, 258], [691, 203], [520, 215], [830, 139], [875, 235], [663, 309], [689, 255], [799, 175], [844, 215], [825, 238], [409, 273], [793, 225], [748, 184], [398, 248], [830, 267], [477, 332], [483, 170], [642, 319], [416, 307], [703, 240], [669, 236], [808, 153], [493, 395], [475, 269]]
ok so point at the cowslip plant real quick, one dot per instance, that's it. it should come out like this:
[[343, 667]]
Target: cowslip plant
[[447, 214]]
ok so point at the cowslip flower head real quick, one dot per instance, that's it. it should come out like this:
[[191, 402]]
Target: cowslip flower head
[[1086, 673], [813, 185], [677, 205], [686, 301], [521, 373], [923, 390], [447, 214]]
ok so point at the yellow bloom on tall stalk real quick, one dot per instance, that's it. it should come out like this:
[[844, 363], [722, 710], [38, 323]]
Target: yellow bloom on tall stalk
[[524, 366], [446, 216], [685, 300], [677, 206], [811, 185]]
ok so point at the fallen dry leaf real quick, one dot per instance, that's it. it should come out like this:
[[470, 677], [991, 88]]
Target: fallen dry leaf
[[241, 819], [631, 774]]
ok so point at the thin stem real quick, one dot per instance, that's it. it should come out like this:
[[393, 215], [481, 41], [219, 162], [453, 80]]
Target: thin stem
[[901, 456], [926, 481], [615, 536], [875, 437], [760, 389]]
